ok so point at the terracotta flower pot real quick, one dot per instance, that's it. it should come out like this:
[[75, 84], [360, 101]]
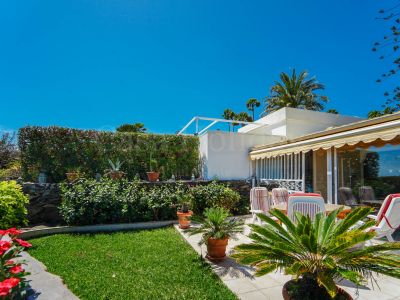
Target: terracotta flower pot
[[153, 176], [72, 176], [116, 175], [184, 219], [216, 249], [286, 295]]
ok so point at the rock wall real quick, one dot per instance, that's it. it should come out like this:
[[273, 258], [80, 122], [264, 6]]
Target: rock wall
[[45, 199], [43, 204]]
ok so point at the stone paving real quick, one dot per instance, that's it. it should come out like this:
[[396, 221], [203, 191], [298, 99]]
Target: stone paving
[[241, 281], [44, 285]]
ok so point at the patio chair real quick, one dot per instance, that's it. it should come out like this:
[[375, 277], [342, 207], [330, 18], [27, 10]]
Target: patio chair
[[306, 205], [259, 202], [346, 197], [280, 195], [388, 217]]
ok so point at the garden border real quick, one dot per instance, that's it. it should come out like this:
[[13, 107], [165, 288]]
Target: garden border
[[34, 233]]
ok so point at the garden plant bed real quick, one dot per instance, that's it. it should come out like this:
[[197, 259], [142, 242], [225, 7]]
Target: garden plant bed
[[147, 264]]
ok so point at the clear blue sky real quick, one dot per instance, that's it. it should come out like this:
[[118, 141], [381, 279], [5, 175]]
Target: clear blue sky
[[99, 63]]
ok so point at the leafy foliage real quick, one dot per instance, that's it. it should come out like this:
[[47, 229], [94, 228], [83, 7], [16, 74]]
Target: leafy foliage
[[388, 48], [323, 250], [13, 284], [136, 127], [216, 225], [213, 195], [88, 201], [8, 150], [251, 104], [296, 91], [12, 205], [56, 149]]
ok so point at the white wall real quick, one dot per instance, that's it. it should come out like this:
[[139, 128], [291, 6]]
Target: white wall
[[225, 155], [293, 122]]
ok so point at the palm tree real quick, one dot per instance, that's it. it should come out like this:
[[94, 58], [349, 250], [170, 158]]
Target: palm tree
[[319, 251], [296, 91], [244, 117], [229, 115], [251, 104]]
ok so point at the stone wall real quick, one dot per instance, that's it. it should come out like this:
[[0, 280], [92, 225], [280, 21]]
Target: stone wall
[[45, 199], [44, 202]]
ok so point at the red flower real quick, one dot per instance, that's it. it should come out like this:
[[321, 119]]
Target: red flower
[[4, 289], [3, 232], [16, 269], [11, 282], [23, 243], [4, 246], [13, 231]]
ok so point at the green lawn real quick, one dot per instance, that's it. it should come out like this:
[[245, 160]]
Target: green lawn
[[153, 264]]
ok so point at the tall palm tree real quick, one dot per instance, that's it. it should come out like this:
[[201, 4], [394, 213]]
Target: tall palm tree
[[296, 91], [229, 115], [251, 104]]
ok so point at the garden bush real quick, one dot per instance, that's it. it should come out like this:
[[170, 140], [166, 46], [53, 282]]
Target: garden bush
[[55, 150], [108, 201], [214, 195], [12, 205]]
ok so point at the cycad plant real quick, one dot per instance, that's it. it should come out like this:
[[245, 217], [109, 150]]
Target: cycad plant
[[216, 225], [319, 251]]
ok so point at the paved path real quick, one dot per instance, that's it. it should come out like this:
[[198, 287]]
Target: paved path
[[45, 286], [241, 281]]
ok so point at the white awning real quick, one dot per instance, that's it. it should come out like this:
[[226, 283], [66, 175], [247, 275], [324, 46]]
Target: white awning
[[380, 134]]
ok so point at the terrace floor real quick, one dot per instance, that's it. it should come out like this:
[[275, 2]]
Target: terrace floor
[[241, 281]]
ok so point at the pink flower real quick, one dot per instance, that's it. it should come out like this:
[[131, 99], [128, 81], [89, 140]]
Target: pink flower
[[16, 269], [11, 282], [13, 231], [9, 262], [4, 246], [23, 243]]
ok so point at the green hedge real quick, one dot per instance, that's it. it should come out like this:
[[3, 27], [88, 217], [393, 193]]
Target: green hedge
[[56, 150], [107, 201], [12, 205]]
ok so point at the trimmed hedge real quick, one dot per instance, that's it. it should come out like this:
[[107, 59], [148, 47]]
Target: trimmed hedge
[[56, 150], [87, 201]]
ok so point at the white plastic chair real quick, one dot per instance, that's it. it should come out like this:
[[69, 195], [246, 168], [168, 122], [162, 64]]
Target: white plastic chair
[[280, 195], [306, 205], [388, 217], [259, 202]]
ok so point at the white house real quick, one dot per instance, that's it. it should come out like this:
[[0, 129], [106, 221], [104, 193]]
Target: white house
[[309, 151]]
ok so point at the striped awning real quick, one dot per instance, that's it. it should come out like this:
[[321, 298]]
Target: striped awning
[[377, 134]]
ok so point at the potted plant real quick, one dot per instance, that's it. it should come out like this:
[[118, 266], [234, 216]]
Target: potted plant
[[153, 174], [73, 174], [115, 171], [184, 214], [318, 252], [216, 228]]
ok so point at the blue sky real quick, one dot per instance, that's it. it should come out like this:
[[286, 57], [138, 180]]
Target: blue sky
[[99, 63]]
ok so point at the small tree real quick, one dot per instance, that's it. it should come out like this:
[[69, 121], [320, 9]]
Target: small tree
[[136, 127], [8, 150]]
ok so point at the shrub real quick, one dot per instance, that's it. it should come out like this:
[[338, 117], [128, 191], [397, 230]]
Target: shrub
[[213, 195], [55, 150], [87, 201], [13, 171], [12, 275], [12, 205]]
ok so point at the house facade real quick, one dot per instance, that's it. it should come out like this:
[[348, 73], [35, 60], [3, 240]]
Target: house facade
[[310, 151]]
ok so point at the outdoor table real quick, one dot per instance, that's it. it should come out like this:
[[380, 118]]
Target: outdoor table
[[328, 208]]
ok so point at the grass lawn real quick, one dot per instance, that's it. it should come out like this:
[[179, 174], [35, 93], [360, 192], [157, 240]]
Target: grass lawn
[[149, 264]]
